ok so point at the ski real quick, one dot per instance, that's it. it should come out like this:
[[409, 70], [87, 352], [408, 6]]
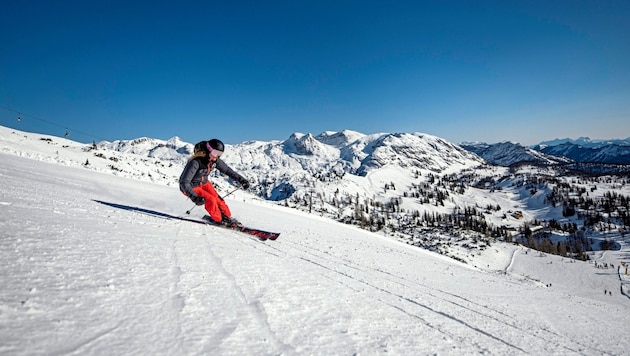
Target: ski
[[206, 220], [260, 234]]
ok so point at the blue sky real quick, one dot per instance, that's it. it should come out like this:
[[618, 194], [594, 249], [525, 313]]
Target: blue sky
[[524, 71]]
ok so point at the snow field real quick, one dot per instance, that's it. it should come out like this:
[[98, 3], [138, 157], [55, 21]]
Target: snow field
[[80, 277]]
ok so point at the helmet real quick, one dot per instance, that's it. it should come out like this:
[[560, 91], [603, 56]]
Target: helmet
[[216, 145]]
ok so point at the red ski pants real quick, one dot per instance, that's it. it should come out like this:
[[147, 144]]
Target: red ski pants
[[215, 205]]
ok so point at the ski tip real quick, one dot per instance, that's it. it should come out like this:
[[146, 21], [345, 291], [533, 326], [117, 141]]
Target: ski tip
[[267, 236]]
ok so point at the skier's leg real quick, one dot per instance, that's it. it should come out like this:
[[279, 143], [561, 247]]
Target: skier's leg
[[221, 205], [211, 201], [213, 209], [225, 210]]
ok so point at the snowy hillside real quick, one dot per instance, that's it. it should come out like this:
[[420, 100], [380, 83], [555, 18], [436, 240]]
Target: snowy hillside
[[87, 269], [333, 175], [144, 159], [404, 185], [407, 186]]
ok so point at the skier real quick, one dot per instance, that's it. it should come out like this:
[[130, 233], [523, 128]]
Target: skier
[[194, 182]]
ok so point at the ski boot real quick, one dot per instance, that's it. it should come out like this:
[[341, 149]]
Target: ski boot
[[230, 222]]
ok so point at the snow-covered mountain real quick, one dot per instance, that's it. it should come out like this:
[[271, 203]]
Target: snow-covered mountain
[[326, 162], [585, 142], [584, 149], [304, 160], [509, 153], [173, 149], [555, 152], [612, 153]]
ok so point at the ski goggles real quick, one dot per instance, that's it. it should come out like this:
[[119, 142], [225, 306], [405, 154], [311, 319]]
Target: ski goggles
[[213, 152]]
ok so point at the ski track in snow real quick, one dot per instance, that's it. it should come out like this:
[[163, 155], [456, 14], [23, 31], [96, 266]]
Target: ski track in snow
[[81, 277], [473, 310], [254, 307]]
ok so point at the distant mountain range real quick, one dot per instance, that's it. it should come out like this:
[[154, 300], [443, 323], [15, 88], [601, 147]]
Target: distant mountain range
[[509, 153], [596, 153], [585, 142], [356, 153], [559, 151]]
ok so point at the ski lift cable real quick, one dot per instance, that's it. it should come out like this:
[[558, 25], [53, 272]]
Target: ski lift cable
[[67, 128]]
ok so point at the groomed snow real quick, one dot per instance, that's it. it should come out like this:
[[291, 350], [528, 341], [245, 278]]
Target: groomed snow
[[82, 277]]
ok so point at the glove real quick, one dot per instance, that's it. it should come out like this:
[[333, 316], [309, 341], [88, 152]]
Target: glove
[[197, 199], [244, 183]]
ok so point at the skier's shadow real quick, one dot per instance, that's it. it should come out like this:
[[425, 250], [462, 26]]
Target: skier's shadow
[[149, 212]]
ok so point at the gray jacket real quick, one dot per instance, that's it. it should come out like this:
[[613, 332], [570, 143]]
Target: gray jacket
[[196, 173]]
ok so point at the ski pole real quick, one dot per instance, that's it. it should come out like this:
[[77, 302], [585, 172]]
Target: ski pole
[[189, 210], [228, 194]]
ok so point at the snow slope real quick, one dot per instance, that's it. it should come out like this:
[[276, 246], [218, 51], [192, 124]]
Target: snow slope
[[82, 277]]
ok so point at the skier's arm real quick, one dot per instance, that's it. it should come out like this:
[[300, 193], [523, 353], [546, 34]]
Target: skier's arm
[[225, 169], [185, 180]]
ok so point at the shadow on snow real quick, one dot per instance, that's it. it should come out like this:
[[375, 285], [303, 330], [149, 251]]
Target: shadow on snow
[[148, 212]]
